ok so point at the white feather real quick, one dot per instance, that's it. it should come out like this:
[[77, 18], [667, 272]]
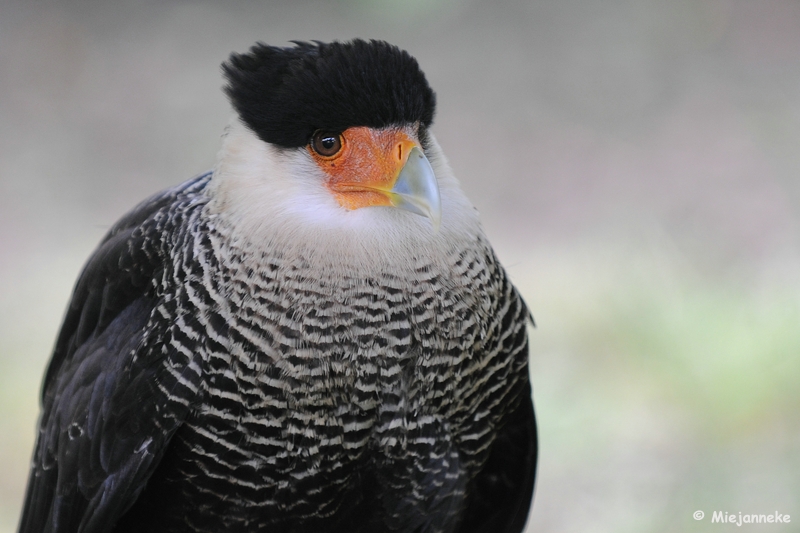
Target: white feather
[[275, 199]]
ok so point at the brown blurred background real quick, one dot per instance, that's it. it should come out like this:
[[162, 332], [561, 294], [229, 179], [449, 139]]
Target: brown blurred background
[[636, 164]]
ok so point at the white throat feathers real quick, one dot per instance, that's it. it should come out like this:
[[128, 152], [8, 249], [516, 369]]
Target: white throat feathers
[[273, 198]]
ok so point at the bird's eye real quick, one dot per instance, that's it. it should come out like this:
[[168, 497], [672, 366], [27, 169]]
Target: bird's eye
[[326, 143]]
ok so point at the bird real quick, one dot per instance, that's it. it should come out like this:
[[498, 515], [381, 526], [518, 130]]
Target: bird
[[314, 336]]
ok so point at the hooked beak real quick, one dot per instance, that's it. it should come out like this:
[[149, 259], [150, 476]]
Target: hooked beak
[[381, 168], [416, 188]]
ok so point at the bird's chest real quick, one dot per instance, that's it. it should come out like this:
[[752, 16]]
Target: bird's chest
[[326, 368], [341, 386]]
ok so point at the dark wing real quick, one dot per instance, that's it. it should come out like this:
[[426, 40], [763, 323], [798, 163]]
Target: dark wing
[[108, 400], [500, 496]]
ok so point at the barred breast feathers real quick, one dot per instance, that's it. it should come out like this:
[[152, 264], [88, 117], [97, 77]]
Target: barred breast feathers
[[274, 199]]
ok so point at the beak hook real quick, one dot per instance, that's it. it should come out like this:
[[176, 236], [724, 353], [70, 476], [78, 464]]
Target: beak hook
[[417, 189]]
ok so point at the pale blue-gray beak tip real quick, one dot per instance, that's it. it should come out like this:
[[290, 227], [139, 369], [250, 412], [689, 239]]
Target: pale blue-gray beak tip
[[417, 190]]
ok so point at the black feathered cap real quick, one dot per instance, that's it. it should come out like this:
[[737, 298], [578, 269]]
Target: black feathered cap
[[286, 94]]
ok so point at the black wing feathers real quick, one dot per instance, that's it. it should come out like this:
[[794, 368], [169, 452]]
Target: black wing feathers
[[120, 270], [500, 496], [106, 420]]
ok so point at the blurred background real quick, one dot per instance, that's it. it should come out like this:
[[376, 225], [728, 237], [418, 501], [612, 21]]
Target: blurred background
[[636, 164]]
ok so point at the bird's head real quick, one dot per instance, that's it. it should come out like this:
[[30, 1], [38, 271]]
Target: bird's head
[[333, 132]]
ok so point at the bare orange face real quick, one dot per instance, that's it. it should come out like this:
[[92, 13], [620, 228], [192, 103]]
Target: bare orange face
[[362, 164]]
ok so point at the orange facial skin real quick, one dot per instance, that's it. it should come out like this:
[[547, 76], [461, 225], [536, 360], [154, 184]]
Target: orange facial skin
[[367, 166]]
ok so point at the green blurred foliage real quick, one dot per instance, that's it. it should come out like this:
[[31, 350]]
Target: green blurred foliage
[[675, 390]]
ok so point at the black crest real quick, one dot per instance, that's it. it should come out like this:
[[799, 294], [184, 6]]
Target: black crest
[[286, 94]]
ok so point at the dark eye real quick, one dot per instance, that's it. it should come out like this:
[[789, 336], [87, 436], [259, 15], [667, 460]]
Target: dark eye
[[326, 143]]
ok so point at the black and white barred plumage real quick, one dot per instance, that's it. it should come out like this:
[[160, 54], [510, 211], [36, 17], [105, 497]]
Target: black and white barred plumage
[[243, 354]]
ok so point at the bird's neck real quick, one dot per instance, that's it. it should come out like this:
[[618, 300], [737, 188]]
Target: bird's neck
[[271, 200]]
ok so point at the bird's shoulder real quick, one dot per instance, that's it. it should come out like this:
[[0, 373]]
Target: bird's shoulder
[[125, 266], [109, 404]]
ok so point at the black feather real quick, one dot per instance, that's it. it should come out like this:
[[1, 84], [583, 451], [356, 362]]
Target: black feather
[[286, 94], [500, 495], [105, 422]]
